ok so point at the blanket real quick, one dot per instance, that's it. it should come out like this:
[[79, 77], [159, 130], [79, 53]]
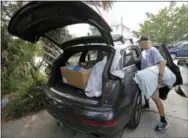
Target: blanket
[[147, 79]]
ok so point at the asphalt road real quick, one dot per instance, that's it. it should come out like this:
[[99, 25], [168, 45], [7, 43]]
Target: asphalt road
[[42, 125]]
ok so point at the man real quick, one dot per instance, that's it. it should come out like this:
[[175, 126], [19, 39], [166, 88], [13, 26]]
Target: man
[[150, 57]]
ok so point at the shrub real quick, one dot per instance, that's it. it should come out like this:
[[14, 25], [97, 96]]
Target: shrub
[[32, 101]]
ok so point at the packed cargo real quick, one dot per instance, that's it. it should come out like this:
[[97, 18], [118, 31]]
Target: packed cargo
[[86, 75]]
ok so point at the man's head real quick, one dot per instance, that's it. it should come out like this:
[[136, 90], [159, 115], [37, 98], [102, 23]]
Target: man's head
[[144, 42]]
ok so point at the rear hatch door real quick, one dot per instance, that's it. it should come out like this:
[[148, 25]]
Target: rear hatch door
[[39, 17]]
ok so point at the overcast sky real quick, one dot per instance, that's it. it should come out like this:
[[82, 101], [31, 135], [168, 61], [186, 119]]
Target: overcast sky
[[133, 14]]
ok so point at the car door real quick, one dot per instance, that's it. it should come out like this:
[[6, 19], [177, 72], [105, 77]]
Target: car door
[[174, 68], [163, 92]]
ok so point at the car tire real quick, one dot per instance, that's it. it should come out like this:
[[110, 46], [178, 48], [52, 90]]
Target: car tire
[[136, 113], [173, 55]]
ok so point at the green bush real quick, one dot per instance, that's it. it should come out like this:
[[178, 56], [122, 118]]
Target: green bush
[[30, 96], [40, 79], [31, 101]]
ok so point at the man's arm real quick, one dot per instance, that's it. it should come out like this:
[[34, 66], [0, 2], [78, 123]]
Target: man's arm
[[162, 67], [158, 59], [162, 63]]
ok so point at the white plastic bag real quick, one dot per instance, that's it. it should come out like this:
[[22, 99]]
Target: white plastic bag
[[116, 68], [94, 85], [117, 63], [147, 79]]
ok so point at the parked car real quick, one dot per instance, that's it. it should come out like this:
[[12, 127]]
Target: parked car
[[183, 62], [120, 103], [179, 51]]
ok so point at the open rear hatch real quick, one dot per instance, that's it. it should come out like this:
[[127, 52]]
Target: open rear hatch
[[37, 18]]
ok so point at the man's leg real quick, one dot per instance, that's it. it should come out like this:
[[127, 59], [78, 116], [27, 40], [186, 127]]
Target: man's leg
[[163, 123], [159, 105]]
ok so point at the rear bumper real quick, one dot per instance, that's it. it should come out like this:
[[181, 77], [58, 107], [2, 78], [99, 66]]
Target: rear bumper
[[68, 116]]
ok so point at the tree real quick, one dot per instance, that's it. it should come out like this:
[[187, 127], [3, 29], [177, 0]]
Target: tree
[[105, 5], [7, 11], [18, 56], [169, 25]]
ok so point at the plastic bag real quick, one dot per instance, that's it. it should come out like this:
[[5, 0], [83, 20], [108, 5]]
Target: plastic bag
[[94, 85], [116, 67], [147, 79]]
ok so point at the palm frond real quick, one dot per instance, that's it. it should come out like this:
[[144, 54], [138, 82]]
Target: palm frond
[[105, 5]]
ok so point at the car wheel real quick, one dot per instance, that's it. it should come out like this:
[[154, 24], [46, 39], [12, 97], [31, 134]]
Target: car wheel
[[136, 114], [173, 55]]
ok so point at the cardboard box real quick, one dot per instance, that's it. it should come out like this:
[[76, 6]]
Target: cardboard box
[[74, 78]]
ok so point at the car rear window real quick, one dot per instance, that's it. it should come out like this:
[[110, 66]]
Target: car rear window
[[93, 56], [75, 59], [61, 35]]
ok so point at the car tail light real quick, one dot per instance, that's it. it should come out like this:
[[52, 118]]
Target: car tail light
[[95, 123]]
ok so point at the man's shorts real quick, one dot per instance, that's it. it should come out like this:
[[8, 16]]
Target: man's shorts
[[156, 93]]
